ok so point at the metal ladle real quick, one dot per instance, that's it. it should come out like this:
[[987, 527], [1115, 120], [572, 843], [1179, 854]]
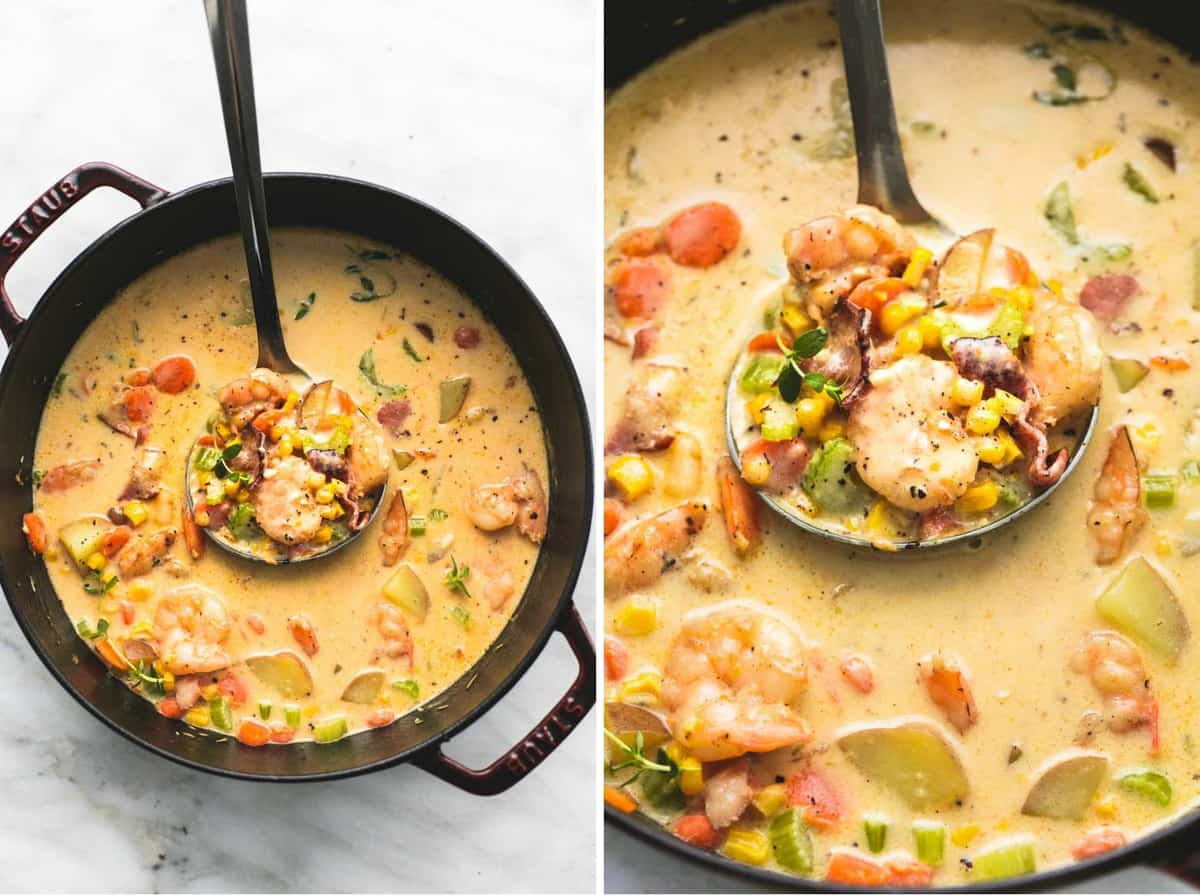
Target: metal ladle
[[882, 182], [231, 52]]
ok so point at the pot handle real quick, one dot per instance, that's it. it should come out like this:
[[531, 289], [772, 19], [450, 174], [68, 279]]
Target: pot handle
[[47, 208], [521, 759]]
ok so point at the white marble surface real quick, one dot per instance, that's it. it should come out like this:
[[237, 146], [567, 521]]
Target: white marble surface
[[485, 110]]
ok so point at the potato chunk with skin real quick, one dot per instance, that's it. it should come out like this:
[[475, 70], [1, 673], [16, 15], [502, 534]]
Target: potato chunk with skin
[[1140, 603], [1065, 784], [914, 757]]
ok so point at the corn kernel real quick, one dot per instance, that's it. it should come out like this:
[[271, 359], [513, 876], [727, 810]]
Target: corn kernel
[[899, 311], [931, 331], [209, 691], [1162, 544], [909, 340], [1147, 436], [168, 680], [638, 617], [1107, 807], [141, 629], [340, 487], [1055, 286], [979, 498], [991, 450], [691, 777], [831, 429], [756, 470], [316, 480], [770, 800], [331, 511], [747, 846], [918, 263], [231, 487], [242, 496], [983, 418], [310, 710], [1023, 297], [290, 404], [1012, 451], [794, 319], [324, 495], [96, 561], [202, 519], [324, 535], [966, 392], [135, 511], [199, 716], [632, 476], [964, 835], [139, 591], [1007, 403], [758, 404], [648, 683], [285, 445], [276, 433], [810, 414]]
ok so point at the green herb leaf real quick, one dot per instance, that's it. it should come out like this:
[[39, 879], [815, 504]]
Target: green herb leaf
[[408, 687], [837, 142], [411, 352], [1060, 214], [306, 305], [146, 677], [1058, 98], [87, 633], [1065, 76], [1037, 50], [789, 383], [456, 577], [925, 128], [366, 366], [1134, 179], [809, 344], [56, 389], [38, 476], [635, 757]]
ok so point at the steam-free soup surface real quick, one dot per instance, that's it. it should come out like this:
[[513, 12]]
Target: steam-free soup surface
[[399, 622], [827, 652]]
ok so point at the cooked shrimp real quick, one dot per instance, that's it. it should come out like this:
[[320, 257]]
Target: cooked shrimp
[[60, 478], [909, 447], [833, 254], [1062, 356], [397, 641], [647, 421], [1114, 666], [1116, 513], [284, 507], [367, 458], [142, 553], [732, 678], [247, 396], [190, 625], [517, 499], [395, 539], [945, 679], [531, 504], [727, 794], [636, 555], [499, 587]]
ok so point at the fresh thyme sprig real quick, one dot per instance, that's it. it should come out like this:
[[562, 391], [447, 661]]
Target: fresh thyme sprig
[[794, 378], [456, 577], [636, 757]]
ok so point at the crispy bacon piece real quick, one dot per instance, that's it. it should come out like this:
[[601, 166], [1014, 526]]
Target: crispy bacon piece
[[846, 356], [651, 404], [1107, 295], [144, 476], [392, 416]]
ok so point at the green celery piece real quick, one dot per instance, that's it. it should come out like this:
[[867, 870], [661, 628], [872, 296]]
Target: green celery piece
[[1013, 858], [1159, 489], [331, 729], [762, 371], [264, 709], [221, 713], [291, 716], [1152, 784], [791, 841], [1060, 214], [930, 839], [875, 828], [408, 687], [830, 480], [206, 458], [416, 525]]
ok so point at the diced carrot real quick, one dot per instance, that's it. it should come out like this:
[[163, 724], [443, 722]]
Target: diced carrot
[[612, 515], [267, 419], [740, 505], [639, 287], [873, 294], [697, 829], [253, 733], [140, 376], [174, 374], [127, 611], [906, 871], [111, 657], [35, 532], [856, 869], [380, 718], [769, 342], [139, 403], [1097, 842], [281, 733], [640, 242], [114, 539], [1169, 363], [168, 707], [702, 235], [193, 537], [811, 790], [616, 658], [619, 800], [231, 685], [857, 672]]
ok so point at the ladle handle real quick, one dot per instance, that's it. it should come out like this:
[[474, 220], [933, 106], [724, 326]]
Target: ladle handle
[[231, 53], [882, 176]]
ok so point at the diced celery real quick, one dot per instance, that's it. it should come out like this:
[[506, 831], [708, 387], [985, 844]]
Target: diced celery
[[1152, 784], [875, 827], [206, 458], [929, 837], [1159, 489], [408, 687], [1128, 371], [1190, 471], [830, 479], [762, 371], [1015, 857], [221, 713], [331, 729], [791, 842], [264, 709], [291, 716], [416, 525], [214, 491]]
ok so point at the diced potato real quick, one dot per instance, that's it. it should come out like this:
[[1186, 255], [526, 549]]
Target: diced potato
[[960, 275], [405, 589], [1140, 603], [81, 537], [1065, 784], [364, 687], [1129, 371], [452, 394], [913, 756], [284, 671], [627, 720]]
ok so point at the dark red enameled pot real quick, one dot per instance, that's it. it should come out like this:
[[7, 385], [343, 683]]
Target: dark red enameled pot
[[638, 34], [171, 223]]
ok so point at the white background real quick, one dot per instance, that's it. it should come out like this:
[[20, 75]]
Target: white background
[[486, 110]]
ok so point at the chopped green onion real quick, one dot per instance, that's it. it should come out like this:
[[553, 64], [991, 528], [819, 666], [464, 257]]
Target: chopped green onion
[[1151, 784], [790, 840], [291, 716], [1136, 181], [264, 709], [331, 729], [408, 687], [875, 827], [762, 371], [416, 525], [221, 713], [930, 839], [1159, 489], [306, 305], [57, 388], [411, 352]]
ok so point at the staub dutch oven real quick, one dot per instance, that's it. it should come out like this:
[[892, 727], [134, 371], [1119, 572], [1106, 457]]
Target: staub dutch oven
[[638, 34], [169, 223]]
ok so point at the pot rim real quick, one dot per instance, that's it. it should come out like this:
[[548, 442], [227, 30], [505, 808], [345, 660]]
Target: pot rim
[[563, 601]]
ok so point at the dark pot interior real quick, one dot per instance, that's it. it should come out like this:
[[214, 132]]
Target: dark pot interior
[[638, 34], [174, 224]]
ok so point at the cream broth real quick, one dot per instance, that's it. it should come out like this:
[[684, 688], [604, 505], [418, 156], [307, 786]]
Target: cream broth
[[733, 119], [407, 315]]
